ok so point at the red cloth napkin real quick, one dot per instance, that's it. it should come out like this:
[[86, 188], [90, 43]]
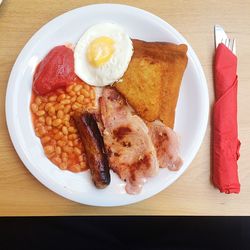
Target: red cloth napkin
[[225, 129]]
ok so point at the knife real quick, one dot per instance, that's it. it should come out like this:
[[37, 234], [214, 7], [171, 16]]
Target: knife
[[220, 36]]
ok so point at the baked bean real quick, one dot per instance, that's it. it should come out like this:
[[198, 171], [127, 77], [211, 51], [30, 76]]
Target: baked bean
[[85, 92], [63, 165], [77, 87], [38, 124], [41, 106], [47, 106], [61, 97], [67, 109], [69, 88], [64, 155], [80, 98], [60, 114], [86, 87], [76, 142], [92, 95], [44, 98], [58, 150], [77, 151], [56, 122], [49, 149], [56, 160], [65, 130], [40, 132], [58, 135], [41, 119], [52, 111], [86, 100], [40, 112], [70, 143], [65, 101], [53, 142], [67, 149], [34, 107], [76, 106], [71, 129], [48, 120], [72, 136], [48, 128], [45, 139], [67, 117], [60, 107], [38, 100], [52, 98], [72, 93], [66, 123], [76, 168], [61, 143], [73, 99]]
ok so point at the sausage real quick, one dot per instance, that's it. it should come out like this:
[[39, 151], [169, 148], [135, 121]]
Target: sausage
[[96, 155]]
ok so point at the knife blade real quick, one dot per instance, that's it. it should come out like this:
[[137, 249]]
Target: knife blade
[[219, 35]]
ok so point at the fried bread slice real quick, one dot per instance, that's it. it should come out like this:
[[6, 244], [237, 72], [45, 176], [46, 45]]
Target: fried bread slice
[[152, 81]]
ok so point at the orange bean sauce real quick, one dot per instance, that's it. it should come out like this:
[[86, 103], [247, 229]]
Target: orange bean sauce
[[54, 125]]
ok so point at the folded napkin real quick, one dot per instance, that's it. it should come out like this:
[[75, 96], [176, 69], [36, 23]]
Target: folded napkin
[[225, 129]]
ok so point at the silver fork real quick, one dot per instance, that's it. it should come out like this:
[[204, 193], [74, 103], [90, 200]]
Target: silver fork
[[221, 37], [230, 43]]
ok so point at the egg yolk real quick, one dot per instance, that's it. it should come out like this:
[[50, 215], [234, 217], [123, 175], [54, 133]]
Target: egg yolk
[[100, 51]]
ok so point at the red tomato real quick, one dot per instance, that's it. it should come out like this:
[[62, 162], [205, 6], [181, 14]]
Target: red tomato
[[54, 71]]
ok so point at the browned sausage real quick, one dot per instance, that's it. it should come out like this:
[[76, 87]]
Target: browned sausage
[[94, 148]]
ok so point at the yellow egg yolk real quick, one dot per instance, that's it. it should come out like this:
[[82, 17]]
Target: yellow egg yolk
[[100, 51]]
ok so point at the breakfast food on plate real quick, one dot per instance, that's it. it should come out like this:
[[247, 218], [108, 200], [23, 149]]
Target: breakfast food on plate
[[102, 54], [131, 152], [126, 127], [94, 148], [54, 71], [152, 81], [53, 124], [166, 144]]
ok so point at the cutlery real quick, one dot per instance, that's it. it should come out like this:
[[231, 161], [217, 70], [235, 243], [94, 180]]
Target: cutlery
[[221, 37]]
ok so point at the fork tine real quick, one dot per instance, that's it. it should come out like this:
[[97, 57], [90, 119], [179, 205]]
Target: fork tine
[[225, 41], [230, 44], [234, 46]]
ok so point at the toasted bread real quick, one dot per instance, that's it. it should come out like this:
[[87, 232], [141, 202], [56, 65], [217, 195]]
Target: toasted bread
[[152, 81]]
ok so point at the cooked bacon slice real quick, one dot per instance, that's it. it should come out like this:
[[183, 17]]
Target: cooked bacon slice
[[166, 144], [130, 149]]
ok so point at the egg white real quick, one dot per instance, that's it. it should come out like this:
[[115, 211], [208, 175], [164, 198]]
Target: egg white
[[112, 70]]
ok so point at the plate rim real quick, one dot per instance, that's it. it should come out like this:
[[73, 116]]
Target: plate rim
[[24, 50]]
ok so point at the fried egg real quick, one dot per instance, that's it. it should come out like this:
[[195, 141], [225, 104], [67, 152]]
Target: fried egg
[[102, 54]]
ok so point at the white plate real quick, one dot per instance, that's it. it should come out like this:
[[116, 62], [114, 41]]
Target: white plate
[[191, 116]]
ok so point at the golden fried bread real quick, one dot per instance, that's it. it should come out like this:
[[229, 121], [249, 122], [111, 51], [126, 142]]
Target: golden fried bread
[[140, 85], [152, 81]]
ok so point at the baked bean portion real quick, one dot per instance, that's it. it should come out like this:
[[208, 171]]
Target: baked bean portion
[[54, 125]]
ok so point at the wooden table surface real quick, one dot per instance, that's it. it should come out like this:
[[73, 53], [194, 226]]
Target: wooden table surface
[[192, 193]]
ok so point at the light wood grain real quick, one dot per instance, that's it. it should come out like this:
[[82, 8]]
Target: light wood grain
[[192, 194]]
